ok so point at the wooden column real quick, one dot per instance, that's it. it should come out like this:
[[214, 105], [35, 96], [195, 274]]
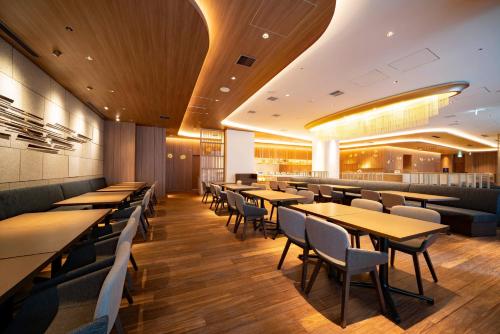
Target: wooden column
[[150, 156], [119, 151]]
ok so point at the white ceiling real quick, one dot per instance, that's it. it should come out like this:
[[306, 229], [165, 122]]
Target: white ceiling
[[354, 55]]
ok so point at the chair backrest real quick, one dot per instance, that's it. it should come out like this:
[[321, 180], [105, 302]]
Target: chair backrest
[[110, 296], [259, 185], [291, 191], [367, 204], [230, 199], [325, 190], [282, 185], [308, 197], [389, 200], [153, 188], [217, 190], [327, 239], [314, 188], [239, 182], [240, 202], [417, 213], [273, 185], [212, 189], [145, 200], [293, 223], [370, 194], [128, 233]]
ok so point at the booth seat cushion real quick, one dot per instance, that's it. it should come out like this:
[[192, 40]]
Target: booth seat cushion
[[466, 221], [72, 189], [34, 199], [96, 184]]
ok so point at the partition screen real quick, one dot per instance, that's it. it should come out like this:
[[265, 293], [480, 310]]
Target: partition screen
[[211, 155]]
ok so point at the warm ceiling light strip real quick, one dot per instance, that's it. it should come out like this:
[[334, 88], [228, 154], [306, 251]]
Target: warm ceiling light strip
[[416, 140], [397, 112], [282, 142]]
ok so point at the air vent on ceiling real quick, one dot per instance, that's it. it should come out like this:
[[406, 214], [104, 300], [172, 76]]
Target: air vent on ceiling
[[165, 117], [276, 115], [251, 112], [16, 39], [272, 98], [450, 116], [245, 61], [337, 93], [484, 135], [437, 137]]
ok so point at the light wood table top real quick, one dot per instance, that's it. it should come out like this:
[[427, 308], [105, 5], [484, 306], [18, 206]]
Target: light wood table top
[[273, 196], [18, 270], [420, 197], [326, 210], [130, 183], [238, 187], [131, 187], [97, 198], [45, 232]]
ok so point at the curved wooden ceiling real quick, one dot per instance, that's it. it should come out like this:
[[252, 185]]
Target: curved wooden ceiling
[[236, 28], [148, 52]]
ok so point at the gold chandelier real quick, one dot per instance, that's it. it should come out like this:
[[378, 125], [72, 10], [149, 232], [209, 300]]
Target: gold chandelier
[[398, 112]]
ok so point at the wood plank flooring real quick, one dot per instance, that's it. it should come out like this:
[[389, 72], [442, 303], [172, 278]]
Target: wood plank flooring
[[196, 276]]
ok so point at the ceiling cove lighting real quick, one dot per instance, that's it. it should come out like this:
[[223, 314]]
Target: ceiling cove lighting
[[397, 112], [237, 125], [281, 142]]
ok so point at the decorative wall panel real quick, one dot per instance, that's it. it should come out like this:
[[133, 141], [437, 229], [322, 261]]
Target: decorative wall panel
[[150, 156]]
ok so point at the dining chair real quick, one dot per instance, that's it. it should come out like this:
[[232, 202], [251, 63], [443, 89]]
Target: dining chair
[[206, 191], [389, 200], [213, 192], [367, 205], [259, 185], [292, 191], [331, 244], [231, 206], [248, 213], [370, 194], [416, 246], [274, 185], [81, 303], [315, 189], [308, 197], [325, 192], [282, 185], [293, 225], [121, 216]]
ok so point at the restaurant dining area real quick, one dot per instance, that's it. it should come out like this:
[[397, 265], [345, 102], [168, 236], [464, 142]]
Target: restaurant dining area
[[249, 166]]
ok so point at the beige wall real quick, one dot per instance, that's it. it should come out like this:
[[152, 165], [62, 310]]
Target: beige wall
[[34, 91]]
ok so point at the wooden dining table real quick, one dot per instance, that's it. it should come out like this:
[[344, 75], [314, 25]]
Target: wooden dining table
[[297, 184], [123, 187], [97, 199], [418, 197], [239, 187], [386, 227], [344, 189], [31, 241]]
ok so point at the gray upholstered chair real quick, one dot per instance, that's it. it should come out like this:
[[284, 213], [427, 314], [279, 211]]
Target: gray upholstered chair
[[292, 191], [82, 303], [231, 206], [248, 213], [308, 197], [206, 191], [370, 194], [214, 194], [315, 189], [389, 200], [331, 243], [325, 192], [293, 225], [417, 246], [222, 200], [282, 185], [274, 185], [121, 216], [368, 205]]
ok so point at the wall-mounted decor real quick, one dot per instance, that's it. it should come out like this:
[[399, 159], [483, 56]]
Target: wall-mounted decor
[[40, 136]]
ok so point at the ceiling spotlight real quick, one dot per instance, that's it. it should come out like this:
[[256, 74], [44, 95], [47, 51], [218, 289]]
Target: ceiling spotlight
[[89, 87], [276, 115], [225, 89], [390, 34], [395, 82], [123, 109], [111, 91], [56, 53], [106, 108], [89, 58], [68, 28], [265, 35], [217, 100], [233, 78], [287, 95]]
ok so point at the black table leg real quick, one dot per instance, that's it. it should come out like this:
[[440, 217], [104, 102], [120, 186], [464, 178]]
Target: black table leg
[[384, 282], [277, 220], [423, 203], [55, 266]]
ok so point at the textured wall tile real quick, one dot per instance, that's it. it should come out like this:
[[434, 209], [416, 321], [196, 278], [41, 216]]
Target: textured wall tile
[[28, 100], [5, 58], [10, 161], [57, 94], [31, 165], [7, 87], [74, 167], [30, 75], [55, 166], [28, 184], [55, 114]]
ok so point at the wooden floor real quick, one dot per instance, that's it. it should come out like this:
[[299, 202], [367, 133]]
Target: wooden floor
[[195, 276]]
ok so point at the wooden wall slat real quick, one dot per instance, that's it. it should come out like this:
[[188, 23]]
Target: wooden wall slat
[[119, 152], [150, 160]]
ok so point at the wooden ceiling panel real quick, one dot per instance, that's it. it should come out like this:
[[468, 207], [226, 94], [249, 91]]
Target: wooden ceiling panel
[[148, 52], [232, 34]]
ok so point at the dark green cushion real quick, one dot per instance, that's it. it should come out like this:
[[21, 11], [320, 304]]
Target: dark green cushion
[[72, 189]]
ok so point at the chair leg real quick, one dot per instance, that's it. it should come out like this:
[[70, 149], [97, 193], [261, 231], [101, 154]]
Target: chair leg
[[313, 276], [263, 224], [230, 216], [244, 233], [305, 259], [213, 201], [237, 223], [272, 211], [283, 255], [345, 298], [378, 288], [132, 260], [127, 295], [358, 242], [118, 325], [393, 256], [431, 267], [418, 274]]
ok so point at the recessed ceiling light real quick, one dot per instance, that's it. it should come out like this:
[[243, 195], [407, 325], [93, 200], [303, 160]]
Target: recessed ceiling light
[[106, 108], [111, 91], [89, 58], [480, 49], [68, 28], [233, 78], [225, 89], [56, 53], [217, 100], [89, 87], [123, 108], [265, 35], [287, 95], [390, 34], [395, 82]]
